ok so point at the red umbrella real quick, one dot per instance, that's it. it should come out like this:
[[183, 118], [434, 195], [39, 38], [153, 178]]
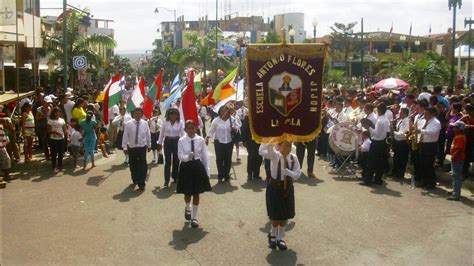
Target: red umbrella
[[391, 83]]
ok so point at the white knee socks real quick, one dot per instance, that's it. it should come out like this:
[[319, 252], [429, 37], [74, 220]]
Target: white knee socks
[[274, 232], [154, 155], [281, 233], [188, 206], [126, 158], [194, 214]]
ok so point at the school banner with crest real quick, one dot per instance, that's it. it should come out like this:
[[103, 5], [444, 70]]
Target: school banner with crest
[[284, 88]]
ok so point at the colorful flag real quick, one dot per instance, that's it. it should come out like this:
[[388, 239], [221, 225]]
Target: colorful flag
[[173, 97], [137, 98], [153, 94], [197, 83], [112, 95], [174, 84], [188, 104], [225, 84], [238, 96]]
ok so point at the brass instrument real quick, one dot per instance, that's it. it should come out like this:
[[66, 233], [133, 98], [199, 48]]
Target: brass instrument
[[412, 137]]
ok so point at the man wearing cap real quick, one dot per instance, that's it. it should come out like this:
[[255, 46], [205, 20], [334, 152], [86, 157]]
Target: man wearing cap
[[458, 155], [66, 105], [428, 139], [41, 124]]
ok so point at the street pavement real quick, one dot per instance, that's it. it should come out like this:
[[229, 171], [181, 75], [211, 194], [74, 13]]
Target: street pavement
[[94, 217]]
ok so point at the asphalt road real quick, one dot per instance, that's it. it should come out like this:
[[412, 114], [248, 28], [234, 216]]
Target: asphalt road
[[93, 217]]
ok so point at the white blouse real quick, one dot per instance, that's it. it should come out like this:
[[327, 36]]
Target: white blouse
[[220, 129], [200, 150], [155, 124], [119, 121], [268, 151], [171, 130]]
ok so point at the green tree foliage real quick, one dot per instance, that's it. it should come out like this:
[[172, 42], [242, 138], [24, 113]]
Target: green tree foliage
[[93, 47], [161, 59], [272, 37]]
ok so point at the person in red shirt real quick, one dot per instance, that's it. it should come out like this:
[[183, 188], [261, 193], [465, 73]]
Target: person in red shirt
[[458, 155]]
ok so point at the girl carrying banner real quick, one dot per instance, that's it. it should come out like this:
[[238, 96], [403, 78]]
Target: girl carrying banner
[[280, 195]]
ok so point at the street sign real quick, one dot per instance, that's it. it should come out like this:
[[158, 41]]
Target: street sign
[[79, 62]]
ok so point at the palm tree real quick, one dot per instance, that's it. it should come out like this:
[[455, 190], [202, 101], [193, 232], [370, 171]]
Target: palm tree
[[201, 53], [93, 47]]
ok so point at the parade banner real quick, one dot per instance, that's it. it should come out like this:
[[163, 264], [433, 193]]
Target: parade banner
[[284, 88]]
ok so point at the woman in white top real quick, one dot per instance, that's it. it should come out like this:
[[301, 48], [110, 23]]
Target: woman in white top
[[221, 131], [57, 138], [193, 178], [171, 130]]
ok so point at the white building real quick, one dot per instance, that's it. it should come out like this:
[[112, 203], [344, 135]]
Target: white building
[[291, 20]]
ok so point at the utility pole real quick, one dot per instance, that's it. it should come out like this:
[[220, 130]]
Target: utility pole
[[466, 22], [362, 53], [65, 45], [453, 4], [217, 43]]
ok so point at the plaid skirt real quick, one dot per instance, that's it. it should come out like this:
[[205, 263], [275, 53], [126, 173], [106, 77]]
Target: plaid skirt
[[5, 161]]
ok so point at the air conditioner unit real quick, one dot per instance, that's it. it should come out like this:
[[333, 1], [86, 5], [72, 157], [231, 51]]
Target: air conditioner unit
[[387, 51]]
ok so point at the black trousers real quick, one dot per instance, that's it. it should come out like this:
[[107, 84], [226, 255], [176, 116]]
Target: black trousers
[[441, 148], [267, 166], [377, 157], [401, 149], [254, 160], [428, 153], [138, 166], [57, 152], [364, 163], [223, 159], [323, 144], [300, 150], [203, 132], [415, 160], [171, 152]]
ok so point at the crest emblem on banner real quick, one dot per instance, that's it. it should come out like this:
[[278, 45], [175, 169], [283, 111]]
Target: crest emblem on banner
[[284, 91]]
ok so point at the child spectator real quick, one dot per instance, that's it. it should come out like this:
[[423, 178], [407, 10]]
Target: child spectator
[[104, 143], [458, 155], [76, 143]]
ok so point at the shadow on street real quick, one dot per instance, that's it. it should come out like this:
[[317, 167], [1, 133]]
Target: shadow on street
[[186, 236]]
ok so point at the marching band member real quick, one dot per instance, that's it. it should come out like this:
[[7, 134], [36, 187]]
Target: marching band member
[[221, 131], [136, 142], [378, 148], [280, 195], [300, 151], [193, 177], [401, 149], [119, 122], [414, 154], [348, 106], [364, 153], [170, 132], [338, 117], [369, 114], [428, 139], [155, 124]]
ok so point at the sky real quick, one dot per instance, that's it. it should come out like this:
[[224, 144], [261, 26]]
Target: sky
[[135, 23]]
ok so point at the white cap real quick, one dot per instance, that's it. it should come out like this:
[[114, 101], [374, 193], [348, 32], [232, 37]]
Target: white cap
[[48, 99], [68, 94], [69, 90], [53, 97]]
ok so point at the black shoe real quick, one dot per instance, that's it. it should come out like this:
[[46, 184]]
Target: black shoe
[[453, 198], [282, 245], [194, 223], [272, 243], [378, 183], [249, 178], [166, 184], [367, 184], [430, 187], [187, 214], [449, 193], [420, 184], [141, 188], [258, 178]]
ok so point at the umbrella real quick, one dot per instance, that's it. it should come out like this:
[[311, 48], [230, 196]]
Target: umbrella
[[391, 83]]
